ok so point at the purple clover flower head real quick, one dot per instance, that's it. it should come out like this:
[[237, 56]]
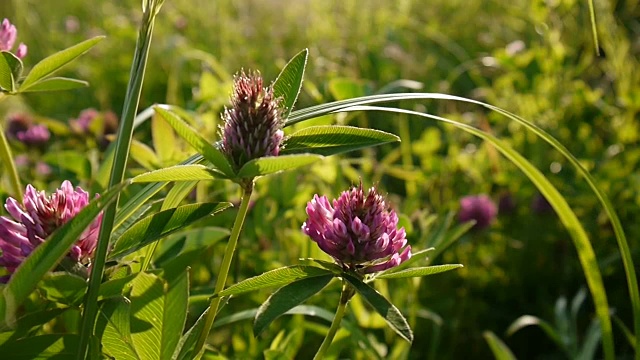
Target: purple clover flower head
[[82, 124], [35, 136], [8, 34], [37, 217], [17, 123], [359, 230], [253, 125], [479, 208], [22, 51]]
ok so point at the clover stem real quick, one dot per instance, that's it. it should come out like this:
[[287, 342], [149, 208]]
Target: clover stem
[[226, 265], [347, 294]]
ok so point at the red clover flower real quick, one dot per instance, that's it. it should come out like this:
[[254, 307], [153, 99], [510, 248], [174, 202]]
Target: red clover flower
[[38, 217], [479, 208], [8, 34], [359, 231], [253, 125]]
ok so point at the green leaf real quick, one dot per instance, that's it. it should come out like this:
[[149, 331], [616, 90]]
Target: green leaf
[[334, 139], [273, 278], [50, 346], [415, 257], [28, 322], [115, 287], [161, 224], [419, 272], [188, 340], [272, 164], [10, 70], [175, 311], [113, 327], [164, 139], [54, 62], [201, 145], [48, 254], [528, 320], [289, 83], [55, 84], [286, 298], [144, 155], [147, 314], [64, 288], [179, 173], [382, 306], [498, 348]]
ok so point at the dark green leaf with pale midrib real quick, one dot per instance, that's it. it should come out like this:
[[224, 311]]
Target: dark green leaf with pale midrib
[[273, 278], [335, 139], [289, 82], [420, 271], [272, 164], [382, 306]]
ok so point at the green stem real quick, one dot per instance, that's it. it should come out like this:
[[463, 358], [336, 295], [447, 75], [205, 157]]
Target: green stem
[[123, 142], [347, 294], [7, 159], [225, 266]]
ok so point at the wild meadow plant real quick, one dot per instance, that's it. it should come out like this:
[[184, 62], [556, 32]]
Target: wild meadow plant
[[82, 275]]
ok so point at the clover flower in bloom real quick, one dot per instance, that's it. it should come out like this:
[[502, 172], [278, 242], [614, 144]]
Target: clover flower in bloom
[[37, 218], [253, 125], [479, 208], [359, 231], [21, 127], [8, 34]]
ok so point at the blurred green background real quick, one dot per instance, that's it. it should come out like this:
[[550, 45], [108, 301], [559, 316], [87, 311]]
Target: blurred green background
[[534, 58]]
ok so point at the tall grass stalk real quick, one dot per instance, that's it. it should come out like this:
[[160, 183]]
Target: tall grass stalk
[[123, 143]]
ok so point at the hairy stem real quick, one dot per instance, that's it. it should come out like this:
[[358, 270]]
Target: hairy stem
[[225, 266], [347, 294]]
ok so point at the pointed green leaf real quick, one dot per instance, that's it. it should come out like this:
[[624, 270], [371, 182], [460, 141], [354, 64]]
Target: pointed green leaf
[[54, 62], [498, 348], [116, 287], [334, 139], [55, 84], [164, 139], [289, 82], [64, 288], [175, 311], [529, 320], [382, 306], [48, 254], [161, 224], [28, 322], [200, 144], [10, 70], [144, 155], [50, 346], [188, 341], [147, 314], [272, 164], [415, 257], [419, 272], [179, 173], [286, 298], [273, 278], [113, 327]]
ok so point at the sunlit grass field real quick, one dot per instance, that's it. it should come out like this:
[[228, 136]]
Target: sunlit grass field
[[535, 59]]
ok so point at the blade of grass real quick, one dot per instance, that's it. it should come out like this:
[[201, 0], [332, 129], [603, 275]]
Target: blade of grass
[[123, 141]]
